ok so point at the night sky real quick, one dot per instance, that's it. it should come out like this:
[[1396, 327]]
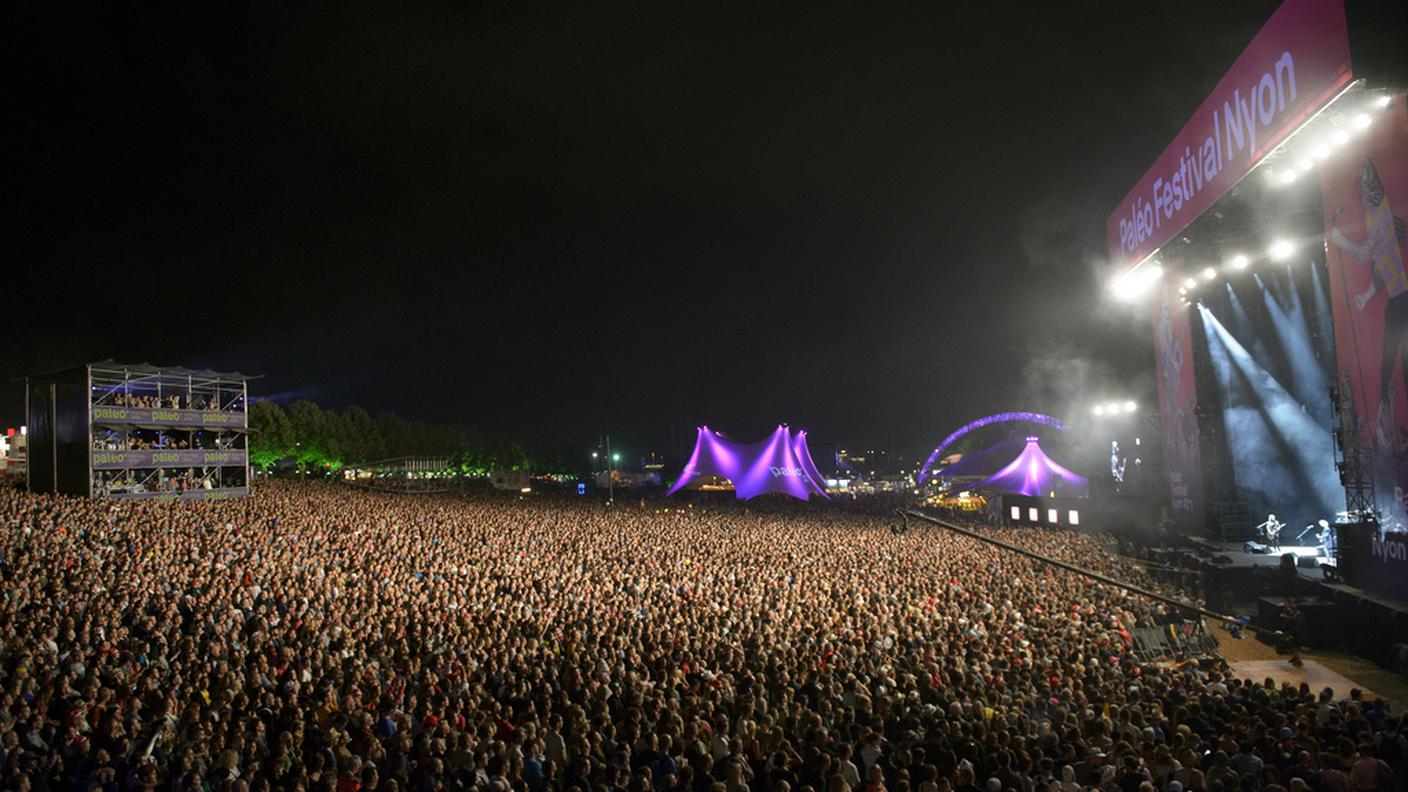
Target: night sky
[[555, 221]]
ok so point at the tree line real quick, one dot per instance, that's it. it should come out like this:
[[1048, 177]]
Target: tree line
[[311, 437]]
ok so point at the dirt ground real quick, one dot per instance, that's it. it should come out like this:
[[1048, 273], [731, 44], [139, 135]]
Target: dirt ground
[[1371, 676]]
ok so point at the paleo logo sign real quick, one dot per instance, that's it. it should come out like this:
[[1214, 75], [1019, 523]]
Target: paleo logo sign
[[779, 472]]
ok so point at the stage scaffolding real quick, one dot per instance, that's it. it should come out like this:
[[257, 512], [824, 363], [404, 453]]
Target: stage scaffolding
[[139, 431]]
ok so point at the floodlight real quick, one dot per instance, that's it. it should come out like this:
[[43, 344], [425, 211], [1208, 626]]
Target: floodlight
[[1306, 164], [1239, 261], [1321, 152], [1340, 137], [1362, 121], [1130, 406], [1281, 250], [1182, 290], [1289, 175], [1099, 409], [1191, 283], [1209, 273], [1383, 101]]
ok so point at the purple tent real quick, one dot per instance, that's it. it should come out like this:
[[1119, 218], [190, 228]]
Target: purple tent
[[986, 461], [781, 463], [1035, 474]]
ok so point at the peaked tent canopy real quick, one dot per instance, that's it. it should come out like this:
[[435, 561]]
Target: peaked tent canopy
[[781, 463], [1033, 473], [987, 461]]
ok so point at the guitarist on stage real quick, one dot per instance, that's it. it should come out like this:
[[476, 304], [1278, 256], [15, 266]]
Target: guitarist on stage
[[1271, 531]]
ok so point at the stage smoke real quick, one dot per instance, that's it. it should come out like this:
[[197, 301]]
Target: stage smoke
[[1293, 332], [1282, 455]]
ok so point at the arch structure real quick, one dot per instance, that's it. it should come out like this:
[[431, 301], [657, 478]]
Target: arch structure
[[780, 463], [987, 420]]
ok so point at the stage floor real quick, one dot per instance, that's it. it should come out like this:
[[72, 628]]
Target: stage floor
[[1312, 673], [1241, 557]]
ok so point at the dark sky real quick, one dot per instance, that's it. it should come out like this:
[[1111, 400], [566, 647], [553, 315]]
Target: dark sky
[[551, 221]]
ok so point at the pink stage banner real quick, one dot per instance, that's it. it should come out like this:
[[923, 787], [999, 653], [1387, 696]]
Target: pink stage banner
[[1365, 189], [1296, 64], [1178, 400]]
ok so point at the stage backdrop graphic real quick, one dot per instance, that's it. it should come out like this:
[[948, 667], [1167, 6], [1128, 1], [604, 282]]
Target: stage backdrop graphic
[[1178, 400], [1366, 201]]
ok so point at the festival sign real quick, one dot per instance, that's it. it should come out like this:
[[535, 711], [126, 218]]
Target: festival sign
[[1365, 190], [141, 416], [1297, 63], [126, 460], [1178, 401]]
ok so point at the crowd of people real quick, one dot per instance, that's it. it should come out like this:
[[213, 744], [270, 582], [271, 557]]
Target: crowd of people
[[155, 440], [170, 401], [314, 637]]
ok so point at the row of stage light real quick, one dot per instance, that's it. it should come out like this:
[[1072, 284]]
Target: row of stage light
[[1315, 141], [1115, 408], [1302, 155], [1279, 250]]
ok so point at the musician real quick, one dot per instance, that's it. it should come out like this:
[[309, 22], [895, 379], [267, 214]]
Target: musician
[[1326, 537], [1271, 531]]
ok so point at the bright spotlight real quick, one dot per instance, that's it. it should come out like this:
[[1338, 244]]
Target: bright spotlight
[[1191, 283], [1306, 164], [1239, 262], [1289, 175], [1321, 152], [1281, 250], [1209, 274], [1130, 406], [1383, 101], [1362, 121], [1099, 409], [1182, 290], [1135, 283], [1340, 137]]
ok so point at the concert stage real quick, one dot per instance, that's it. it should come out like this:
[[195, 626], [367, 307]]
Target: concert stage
[[1308, 598]]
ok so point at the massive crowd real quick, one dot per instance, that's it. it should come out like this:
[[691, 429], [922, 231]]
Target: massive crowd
[[315, 637]]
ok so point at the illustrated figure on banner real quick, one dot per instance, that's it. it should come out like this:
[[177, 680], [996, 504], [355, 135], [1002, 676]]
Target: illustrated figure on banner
[[1182, 429], [1382, 249]]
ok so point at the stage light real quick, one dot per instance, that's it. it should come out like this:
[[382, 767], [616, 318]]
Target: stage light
[[1383, 101], [1182, 290], [1340, 137], [1321, 152], [1134, 283], [1306, 164], [1099, 409], [1362, 121], [1281, 250], [1191, 283], [1209, 274], [1239, 262], [1288, 176], [1130, 406]]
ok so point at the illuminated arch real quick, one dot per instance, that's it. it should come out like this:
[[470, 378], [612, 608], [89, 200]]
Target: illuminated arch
[[998, 418]]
